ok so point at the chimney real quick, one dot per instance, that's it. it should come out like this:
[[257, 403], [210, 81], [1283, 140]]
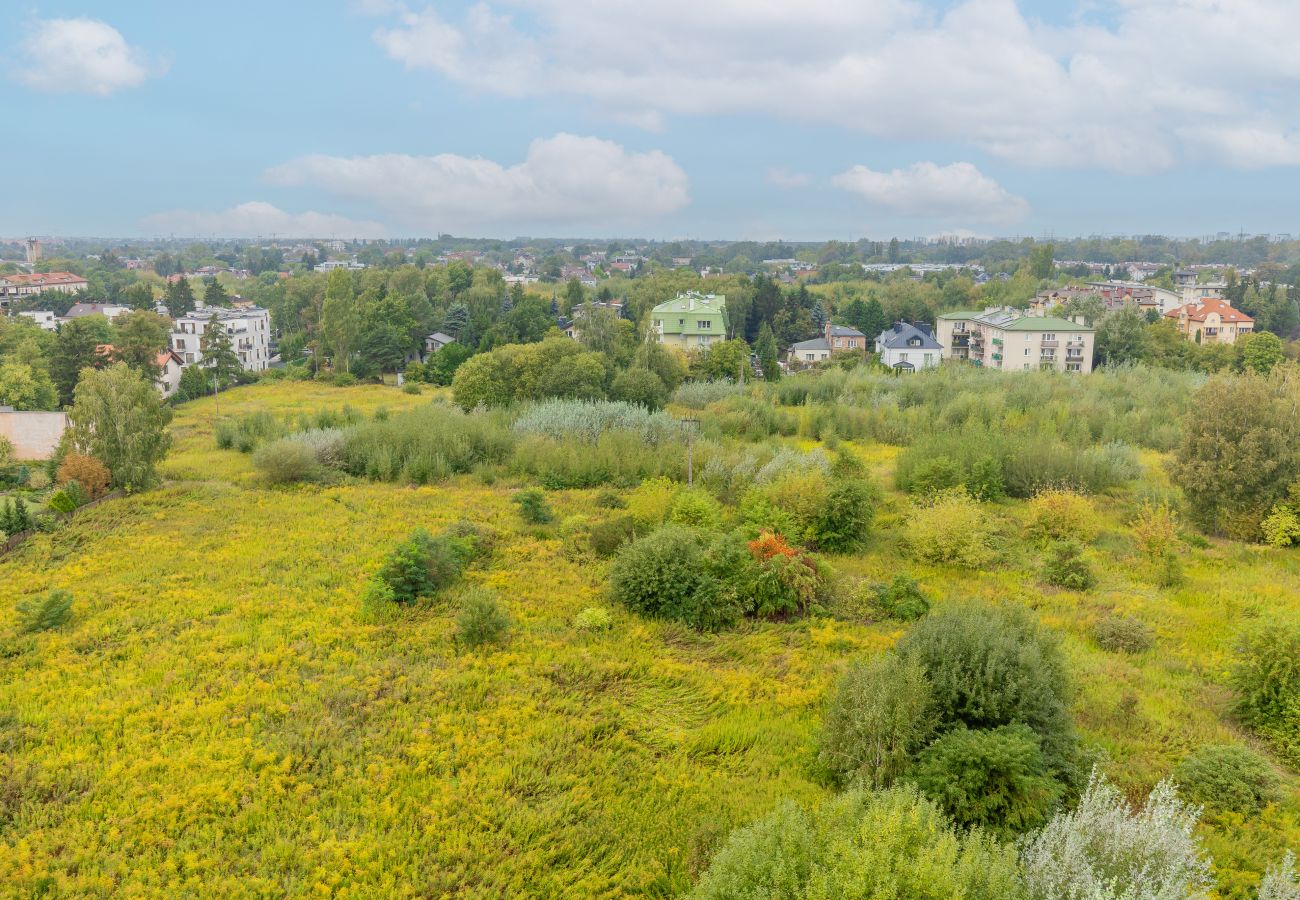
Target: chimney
[[828, 333]]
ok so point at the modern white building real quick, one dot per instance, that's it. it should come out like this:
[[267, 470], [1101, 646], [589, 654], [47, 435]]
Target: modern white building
[[249, 330], [42, 317], [1007, 339], [906, 348]]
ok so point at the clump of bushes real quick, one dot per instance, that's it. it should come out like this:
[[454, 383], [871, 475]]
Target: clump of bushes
[[652, 501], [696, 508], [881, 715], [1155, 532], [50, 611], [1057, 514], [422, 566], [425, 445], [901, 599], [950, 527], [587, 420], [607, 536], [1065, 567], [533, 507], [1123, 634], [67, 499], [90, 473], [15, 517], [593, 618], [1227, 777], [482, 621], [831, 514], [286, 461], [1266, 678]]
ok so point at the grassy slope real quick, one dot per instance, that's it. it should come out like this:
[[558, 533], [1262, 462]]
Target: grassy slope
[[215, 720]]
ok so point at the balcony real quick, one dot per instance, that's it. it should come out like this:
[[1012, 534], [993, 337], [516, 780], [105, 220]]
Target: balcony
[[998, 341], [960, 340], [997, 356], [1047, 343]]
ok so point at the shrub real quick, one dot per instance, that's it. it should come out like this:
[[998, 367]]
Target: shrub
[[785, 580], [411, 387], [1123, 634], [1155, 531], [587, 420], [15, 518], [932, 476], [67, 499], [699, 394], [607, 536], [639, 386], [901, 599], [984, 481], [422, 566], [50, 611], [990, 666], [1065, 567], [593, 618], [1281, 882], [880, 715], [1266, 676], [1056, 514], [285, 461], [862, 844], [1104, 849], [424, 445], [652, 501], [343, 379], [1282, 526], [87, 471], [995, 779], [845, 516], [482, 620], [667, 575], [1227, 776], [533, 507], [951, 527], [610, 499], [696, 508]]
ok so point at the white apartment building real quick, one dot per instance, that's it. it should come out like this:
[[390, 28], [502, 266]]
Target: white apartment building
[[249, 330], [42, 317], [1008, 340]]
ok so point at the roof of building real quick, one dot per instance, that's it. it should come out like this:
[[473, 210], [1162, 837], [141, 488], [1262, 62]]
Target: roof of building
[[44, 278], [692, 301], [962, 314], [900, 336], [845, 331], [441, 338], [1199, 310], [204, 313], [814, 344], [77, 310], [165, 355], [1015, 320]]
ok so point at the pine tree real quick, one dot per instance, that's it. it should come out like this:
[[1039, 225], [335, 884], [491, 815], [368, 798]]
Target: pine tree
[[765, 350], [179, 298], [819, 317], [215, 294], [218, 355], [456, 319]]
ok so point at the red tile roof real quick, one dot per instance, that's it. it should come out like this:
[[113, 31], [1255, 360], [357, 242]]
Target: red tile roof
[[1198, 311], [45, 278]]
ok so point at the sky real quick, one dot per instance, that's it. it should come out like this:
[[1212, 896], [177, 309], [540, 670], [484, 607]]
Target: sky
[[704, 119]]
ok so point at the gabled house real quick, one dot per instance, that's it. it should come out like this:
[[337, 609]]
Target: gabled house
[[435, 342], [170, 365], [835, 339], [109, 311], [907, 348], [1211, 321], [690, 321]]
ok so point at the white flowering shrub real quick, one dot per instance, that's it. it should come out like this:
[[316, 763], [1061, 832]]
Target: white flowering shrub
[[1103, 850]]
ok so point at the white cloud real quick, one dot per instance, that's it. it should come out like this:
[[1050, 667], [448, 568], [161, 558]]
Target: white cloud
[[783, 178], [929, 191], [565, 179], [259, 218], [82, 56], [1113, 89]]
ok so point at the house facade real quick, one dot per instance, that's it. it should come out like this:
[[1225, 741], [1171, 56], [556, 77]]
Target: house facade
[[908, 348], [1008, 340], [249, 330], [43, 317], [109, 311], [435, 342], [1211, 321], [14, 287], [170, 366], [834, 339], [690, 321]]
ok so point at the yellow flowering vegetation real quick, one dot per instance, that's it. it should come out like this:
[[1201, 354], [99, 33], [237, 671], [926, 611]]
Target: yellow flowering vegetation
[[218, 720]]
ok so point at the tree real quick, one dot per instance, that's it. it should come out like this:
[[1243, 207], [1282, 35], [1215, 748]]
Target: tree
[[1260, 352], [339, 319], [457, 317], [179, 298], [640, 386], [138, 337], [727, 359], [118, 417], [24, 387], [765, 350], [574, 296], [218, 356], [1121, 337], [214, 294], [1042, 261], [75, 349]]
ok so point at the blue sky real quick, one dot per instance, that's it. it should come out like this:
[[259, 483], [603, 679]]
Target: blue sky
[[733, 119]]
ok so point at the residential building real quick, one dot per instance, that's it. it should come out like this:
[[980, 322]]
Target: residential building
[[109, 311], [570, 324], [14, 287], [1007, 339], [1211, 321], [834, 339], [170, 365], [691, 321], [42, 317], [907, 348], [435, 342], [249, 330]]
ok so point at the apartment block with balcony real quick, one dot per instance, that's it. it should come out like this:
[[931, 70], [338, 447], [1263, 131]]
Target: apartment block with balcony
[[249, 330], [1008, 340]]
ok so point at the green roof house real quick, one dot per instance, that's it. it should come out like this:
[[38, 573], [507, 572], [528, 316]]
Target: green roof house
[[690, 321]]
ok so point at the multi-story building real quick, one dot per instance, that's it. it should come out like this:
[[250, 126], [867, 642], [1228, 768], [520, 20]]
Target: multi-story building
[[690, 321], [1211, 321], [249, 330], [1007, 339], [16, 287]]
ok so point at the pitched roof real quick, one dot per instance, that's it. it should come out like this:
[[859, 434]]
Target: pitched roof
[[441, 338], [77, 310], [1199, 310], [691, 301], [845, 331], [901, 334], [814, 344], [44, 278], [1045, 323]]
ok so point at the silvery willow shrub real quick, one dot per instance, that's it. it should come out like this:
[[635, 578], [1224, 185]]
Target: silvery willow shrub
[[1103, 849], [860, 844], [587, 420]]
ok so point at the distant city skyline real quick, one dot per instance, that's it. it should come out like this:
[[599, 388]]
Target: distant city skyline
[[823, 119]]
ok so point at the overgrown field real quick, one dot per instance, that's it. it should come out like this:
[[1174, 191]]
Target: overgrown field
[[218, 718]]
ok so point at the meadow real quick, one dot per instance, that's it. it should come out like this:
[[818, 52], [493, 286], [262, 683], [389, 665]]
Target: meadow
[[219, 719]]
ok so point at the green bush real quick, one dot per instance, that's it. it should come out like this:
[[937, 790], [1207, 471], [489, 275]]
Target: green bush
[[66, 499], [286, 461], [995, 779], [668, 575], [15, 517], [610, 499], [1056, 514], [605, 537], [1123, 634], [984, 481], [880, 715], [411, 387], [639, 386], [845, 517], [1266, 677], [934, 475], [482, 620], [343, 379], [652, 501], [990, 666], [1227, 777], [901, 599], [422, 566], [593, 618], [1065, 567], [50, 611], [424, 445], [860, 844], [533, 507], [950, 527], [697, 509]]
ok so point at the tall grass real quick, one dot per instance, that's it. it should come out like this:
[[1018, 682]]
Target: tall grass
[[426, 445], [587, 420]]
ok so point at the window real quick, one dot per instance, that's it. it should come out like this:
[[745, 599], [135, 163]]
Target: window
[[1049, 337], [659, 323], [1026, 351], [704, 323], [902, 357], [929, 359], [681, 323]]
